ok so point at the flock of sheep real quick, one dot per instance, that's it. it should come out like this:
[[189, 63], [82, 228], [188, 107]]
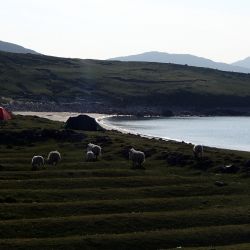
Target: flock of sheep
[[94, 151], [54, 157]]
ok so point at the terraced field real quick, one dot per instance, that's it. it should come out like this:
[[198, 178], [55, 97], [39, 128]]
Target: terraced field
[[107, 205]]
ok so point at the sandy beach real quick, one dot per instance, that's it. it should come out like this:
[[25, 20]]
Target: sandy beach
[[64, 116], [60, 116]]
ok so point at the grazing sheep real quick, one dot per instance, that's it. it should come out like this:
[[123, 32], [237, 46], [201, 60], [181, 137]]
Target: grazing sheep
[[53, 158], [137, 157], [90, 156], [198, 151], [97, 150], [37, 161]]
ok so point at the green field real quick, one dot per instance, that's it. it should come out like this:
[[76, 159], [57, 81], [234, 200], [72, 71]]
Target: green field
[[108, 205], [27, 77]]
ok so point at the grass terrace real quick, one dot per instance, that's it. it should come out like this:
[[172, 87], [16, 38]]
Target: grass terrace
[[175, 202]]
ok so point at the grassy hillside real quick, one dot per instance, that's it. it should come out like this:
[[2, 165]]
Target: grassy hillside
[[107, 205], [36, 77]]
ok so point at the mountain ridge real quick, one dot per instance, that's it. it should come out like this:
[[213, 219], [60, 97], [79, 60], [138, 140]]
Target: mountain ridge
[[182, 59], [243, 63], [15, 48]]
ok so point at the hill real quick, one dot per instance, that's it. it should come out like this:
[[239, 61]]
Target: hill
[[176, 202], [106, 85], [14, 48], [183, 59], [243, 63]]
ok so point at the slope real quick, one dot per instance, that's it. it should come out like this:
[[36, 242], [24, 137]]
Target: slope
[[107, 205], [27, 77]]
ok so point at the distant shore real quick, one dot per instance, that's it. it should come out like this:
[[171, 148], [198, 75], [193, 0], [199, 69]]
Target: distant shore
[[136, 110]]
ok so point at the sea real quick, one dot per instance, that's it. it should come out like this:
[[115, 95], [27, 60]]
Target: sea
[[221, 131]]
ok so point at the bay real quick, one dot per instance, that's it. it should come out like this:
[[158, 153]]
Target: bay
[[221, 132]]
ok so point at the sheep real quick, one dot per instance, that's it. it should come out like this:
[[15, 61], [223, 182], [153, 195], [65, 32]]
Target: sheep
[[90, 156], [53, 158], [97, 150], [137, 157], [198, 151], [37, 161]]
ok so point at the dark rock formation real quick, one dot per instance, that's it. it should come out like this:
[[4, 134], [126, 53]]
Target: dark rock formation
[[167, 113], [230, 169], [35, 135], [220, 183], [177, 158], [83, 122]]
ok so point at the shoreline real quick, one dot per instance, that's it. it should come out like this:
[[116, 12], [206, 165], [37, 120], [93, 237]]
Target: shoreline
[[55, 116], [148, 136], [100, 119]]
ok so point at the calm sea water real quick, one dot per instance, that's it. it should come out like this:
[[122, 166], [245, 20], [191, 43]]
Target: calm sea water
[[221, 132]]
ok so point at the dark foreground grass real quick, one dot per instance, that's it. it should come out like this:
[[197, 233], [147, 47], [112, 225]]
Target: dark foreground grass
[[161, 239], [121, 223], [91, 207], [107, 205]]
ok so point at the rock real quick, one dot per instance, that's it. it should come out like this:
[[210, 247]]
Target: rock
[[220, 183], [10, 200], [230, 169], [62, 135], [247, 164], [83, 122], [125, 151], [246, 167], [35, 135], [176, 158], [104, 140], [163, 155], [167, 113], [203, 163], [149, 152]]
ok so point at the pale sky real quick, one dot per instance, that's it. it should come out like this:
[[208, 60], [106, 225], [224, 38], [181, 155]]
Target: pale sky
[[215, 29]]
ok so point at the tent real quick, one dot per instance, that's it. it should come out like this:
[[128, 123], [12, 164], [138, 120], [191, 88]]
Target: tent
[[4, 114]]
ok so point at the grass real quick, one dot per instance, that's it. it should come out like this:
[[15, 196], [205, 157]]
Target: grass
[[121, 83], [107, 205]]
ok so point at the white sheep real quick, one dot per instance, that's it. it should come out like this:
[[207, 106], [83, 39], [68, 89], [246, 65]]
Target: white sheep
[[90, 156], [198, 151], [137, 157], [54, 158], [37, 161], [97, 150]]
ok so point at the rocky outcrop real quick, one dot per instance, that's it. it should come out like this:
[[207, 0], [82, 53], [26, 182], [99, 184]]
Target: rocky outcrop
[[83, 122]]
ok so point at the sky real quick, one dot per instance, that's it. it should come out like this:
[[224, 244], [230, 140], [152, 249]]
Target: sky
[[101, 29]]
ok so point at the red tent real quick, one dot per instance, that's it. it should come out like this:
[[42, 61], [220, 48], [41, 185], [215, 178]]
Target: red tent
[[4, 114]]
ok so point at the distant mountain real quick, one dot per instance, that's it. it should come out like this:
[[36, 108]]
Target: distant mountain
[[14, 48], [243, 63], [183, 59]]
